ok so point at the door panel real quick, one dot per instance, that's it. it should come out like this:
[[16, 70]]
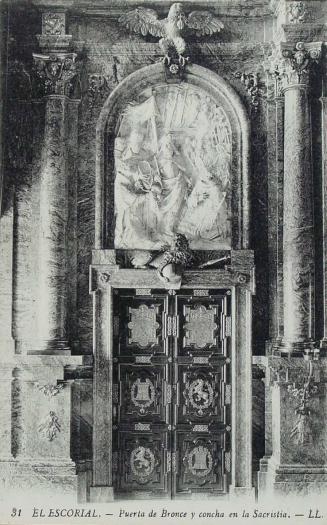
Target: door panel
[[171, 392], [200, 463]]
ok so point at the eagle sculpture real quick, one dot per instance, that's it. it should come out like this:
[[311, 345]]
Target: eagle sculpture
[[145, 21]]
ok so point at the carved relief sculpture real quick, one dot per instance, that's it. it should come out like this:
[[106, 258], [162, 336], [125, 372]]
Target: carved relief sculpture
[[51, 426], [297, 12], [53, 23], [173, 164], [170, 29]]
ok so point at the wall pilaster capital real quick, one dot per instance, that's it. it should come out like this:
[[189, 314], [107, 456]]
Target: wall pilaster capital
[[291, 66], [55, 67]]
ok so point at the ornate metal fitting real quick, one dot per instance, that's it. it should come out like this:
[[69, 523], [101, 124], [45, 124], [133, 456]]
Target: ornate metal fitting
[[297, 12], [56, 72], [241, 278]]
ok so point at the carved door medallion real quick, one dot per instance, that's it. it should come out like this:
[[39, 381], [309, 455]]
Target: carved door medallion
[[171, 393]]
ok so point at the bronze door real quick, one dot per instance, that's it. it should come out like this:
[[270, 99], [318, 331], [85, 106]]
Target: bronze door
[[171, 392]]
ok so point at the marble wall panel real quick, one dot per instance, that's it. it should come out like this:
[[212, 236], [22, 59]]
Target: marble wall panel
[[25, 237], [108, 55]]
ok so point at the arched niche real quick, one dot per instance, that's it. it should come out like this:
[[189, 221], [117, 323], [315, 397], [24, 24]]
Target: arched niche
[[221, 94]]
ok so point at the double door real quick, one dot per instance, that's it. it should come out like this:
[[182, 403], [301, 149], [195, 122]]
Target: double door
[[171, 392]]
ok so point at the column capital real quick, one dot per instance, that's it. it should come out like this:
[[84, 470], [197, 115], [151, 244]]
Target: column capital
[[55, 72], [290, 66]]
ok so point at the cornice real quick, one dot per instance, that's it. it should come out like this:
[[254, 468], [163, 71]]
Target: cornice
[[114, 8]]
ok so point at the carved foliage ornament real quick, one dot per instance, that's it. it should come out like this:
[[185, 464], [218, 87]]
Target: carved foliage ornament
[[50, 390], [253, 86], [56, 72]]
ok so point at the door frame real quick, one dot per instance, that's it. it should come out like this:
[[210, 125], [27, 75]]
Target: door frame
[[239, 278]]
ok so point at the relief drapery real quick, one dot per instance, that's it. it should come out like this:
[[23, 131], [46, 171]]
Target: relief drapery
[[172, 161]]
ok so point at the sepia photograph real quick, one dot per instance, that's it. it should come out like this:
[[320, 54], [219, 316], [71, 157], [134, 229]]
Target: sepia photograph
[[163, 262]]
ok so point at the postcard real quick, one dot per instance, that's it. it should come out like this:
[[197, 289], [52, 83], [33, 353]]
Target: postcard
[[163, 277]]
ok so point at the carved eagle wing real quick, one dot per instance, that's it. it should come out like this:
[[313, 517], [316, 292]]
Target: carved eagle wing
[[204, 22], [144, 21]]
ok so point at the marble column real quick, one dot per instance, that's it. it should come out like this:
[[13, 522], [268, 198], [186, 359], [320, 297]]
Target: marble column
[[298, 230], [324, 212], [275, 138], [56, 72]]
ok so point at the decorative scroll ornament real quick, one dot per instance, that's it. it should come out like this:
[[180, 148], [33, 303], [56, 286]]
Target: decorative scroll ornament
[[142, 462], [142, 394], [297, 12], [50, 427], [170, 29], [56, 72], [200, 394], [143, 325], [200, 461]]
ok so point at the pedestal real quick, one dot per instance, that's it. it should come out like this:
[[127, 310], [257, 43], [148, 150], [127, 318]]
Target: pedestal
[[296, 463], [35, 432]]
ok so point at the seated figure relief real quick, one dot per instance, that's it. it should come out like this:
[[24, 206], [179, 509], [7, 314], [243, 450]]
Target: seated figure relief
[[172, 161]]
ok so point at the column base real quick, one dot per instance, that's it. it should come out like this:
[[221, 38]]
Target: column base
[[323, 347], [42, 347], [243, 493], [101, 494], [293, 348]]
